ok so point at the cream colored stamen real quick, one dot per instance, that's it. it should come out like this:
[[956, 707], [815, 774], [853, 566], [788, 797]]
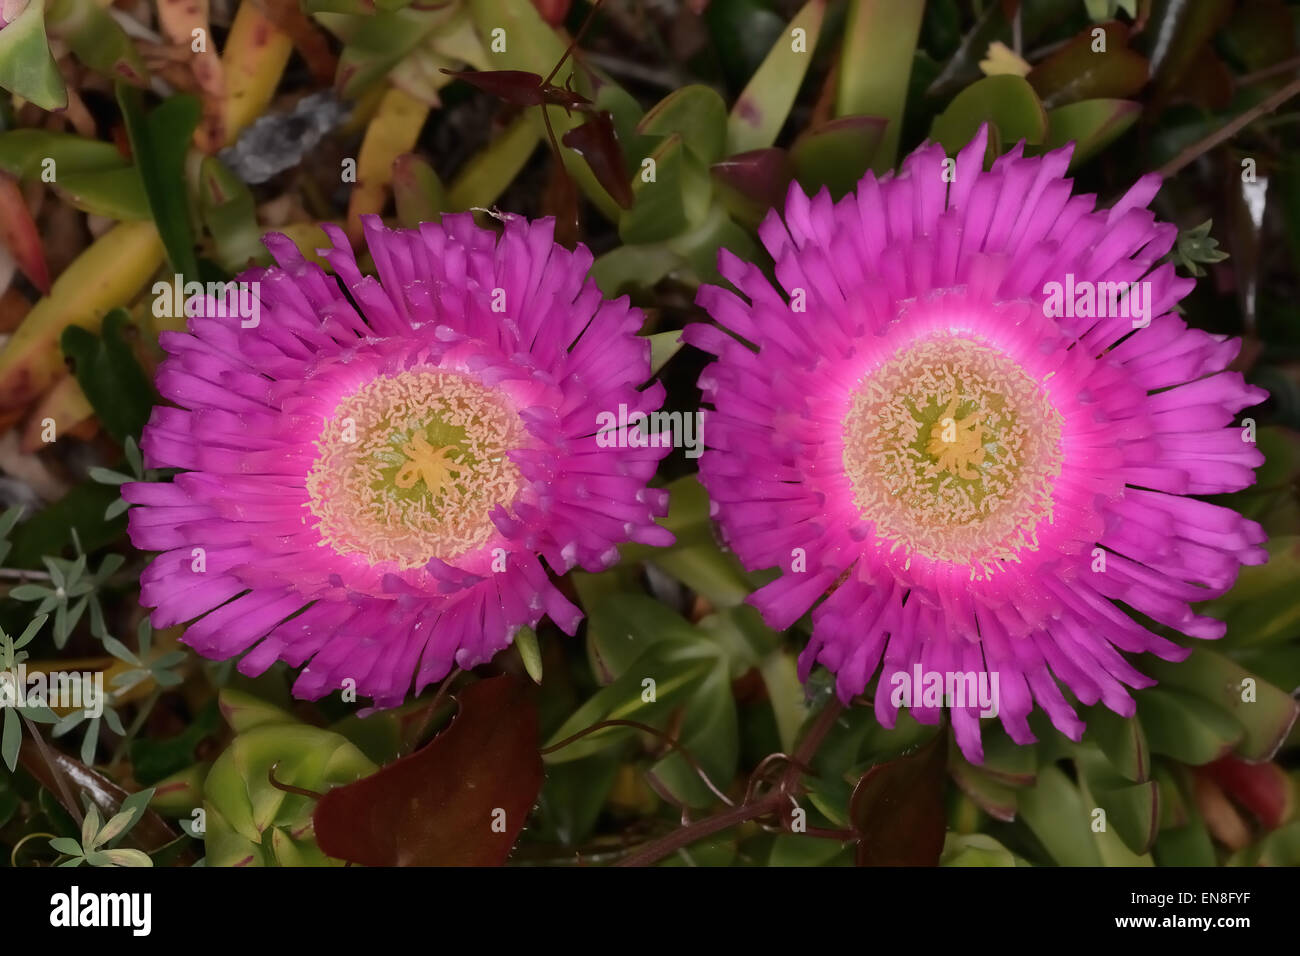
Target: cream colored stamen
[[410, 466], [952, 451]]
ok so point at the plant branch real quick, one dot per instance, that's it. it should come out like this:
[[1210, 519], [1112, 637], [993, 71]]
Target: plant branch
[[23, 574], [666, 845], [752, 809], [1226, 132], [47, 771], [1277, 69]]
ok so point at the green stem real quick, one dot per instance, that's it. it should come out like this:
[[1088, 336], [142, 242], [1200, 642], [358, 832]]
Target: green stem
[[141, 716]]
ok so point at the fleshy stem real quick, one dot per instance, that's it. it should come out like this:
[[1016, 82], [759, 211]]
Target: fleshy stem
[[771, 802]]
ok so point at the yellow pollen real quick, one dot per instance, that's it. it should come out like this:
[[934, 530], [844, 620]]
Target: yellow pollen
[[410, 467], [424, 463], [952, 450], [957, 446]]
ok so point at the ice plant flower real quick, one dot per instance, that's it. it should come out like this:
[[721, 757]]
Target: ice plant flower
[[979, 475], [371, 475]]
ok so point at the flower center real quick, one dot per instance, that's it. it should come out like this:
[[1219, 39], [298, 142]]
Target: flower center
[[952, 449], [410, 466]]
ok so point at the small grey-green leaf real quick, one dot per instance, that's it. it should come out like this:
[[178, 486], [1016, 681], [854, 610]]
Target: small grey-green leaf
[[106, 476], [65, 845], [133, 456], [119, 650], [114, 721], [89, 741], [12, 739], [29, 592], [126, 858], [526, 642]]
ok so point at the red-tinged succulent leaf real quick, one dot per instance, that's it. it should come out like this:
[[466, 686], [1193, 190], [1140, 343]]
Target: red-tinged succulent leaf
[[1075, 72], [308, 39], [553, 11], [988, 793], [749, 184], [437, 807], [516, 87], [19, 235], [597, 143], [1221, 817], [1262, 788], [417, 191], [897, 809]]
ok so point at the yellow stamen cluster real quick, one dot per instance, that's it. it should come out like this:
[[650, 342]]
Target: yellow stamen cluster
[[952, 451], [957, 446], [410, 466]]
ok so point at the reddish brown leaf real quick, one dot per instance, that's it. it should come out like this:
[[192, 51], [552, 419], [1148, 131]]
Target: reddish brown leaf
[[597, 143], [521, 88], [897, 808], [517, 87], [560, 199], [19, 235], [67, 778], [438, 806]]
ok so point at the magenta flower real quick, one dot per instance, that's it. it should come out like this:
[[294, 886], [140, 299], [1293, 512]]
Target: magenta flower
[[971, 423], [369, 479], [11, 10]]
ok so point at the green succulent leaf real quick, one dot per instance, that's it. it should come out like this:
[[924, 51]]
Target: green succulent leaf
[[26, 66], [1006, 102]]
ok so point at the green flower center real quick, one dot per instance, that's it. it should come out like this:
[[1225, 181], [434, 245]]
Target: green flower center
[[952, 449], [410, 467]]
